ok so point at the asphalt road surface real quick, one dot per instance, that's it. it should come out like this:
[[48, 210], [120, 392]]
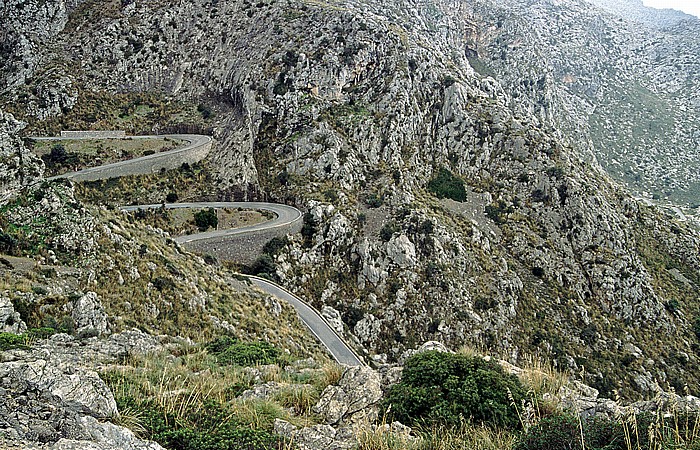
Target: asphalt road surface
[[284, 215]]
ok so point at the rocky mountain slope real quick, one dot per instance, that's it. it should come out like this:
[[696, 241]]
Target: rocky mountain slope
[[350, 109]]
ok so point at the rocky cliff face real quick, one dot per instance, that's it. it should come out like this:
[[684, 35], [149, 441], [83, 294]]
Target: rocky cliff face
[[18, 167], [621, 81], [351, 108]]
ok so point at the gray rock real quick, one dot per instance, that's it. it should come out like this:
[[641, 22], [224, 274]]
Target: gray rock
[[80, 388], [333, 318], [89, 315], [317, 437], [402, 251], [261, 391], [18, 167], [354, 399], [10, 321], [105, 436], [426, 347]]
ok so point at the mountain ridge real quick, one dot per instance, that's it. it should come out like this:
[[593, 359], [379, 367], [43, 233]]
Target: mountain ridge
[[351, 109]]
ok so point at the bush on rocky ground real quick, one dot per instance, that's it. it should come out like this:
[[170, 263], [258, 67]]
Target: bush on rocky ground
[[447, 185], [229, 351], [640, 431], [445, 388]]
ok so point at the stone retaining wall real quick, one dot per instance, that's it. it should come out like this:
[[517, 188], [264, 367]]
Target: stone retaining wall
[[243, 249], [93, 134]]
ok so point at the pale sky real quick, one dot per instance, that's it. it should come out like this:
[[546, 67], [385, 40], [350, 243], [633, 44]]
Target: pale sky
[[687, 6]]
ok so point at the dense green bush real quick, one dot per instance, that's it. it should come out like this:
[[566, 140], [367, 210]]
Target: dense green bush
[[374, 200], [210, 428], [57, 156], [275, 245], [498, 211], [9, 341], [387, 231], [443, 388], [229, 351], [264, 267], [309, 229], [206, 218], [447, 185], [643, 431]]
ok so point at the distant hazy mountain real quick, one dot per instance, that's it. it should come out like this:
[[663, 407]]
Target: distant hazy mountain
[[636, 11]]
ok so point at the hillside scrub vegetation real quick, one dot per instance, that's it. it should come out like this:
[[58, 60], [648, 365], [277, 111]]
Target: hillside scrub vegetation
[[446, 185], [443, 388]]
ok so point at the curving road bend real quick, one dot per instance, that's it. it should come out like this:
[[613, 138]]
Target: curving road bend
[[284, 215], [318, 326], [95, 173]]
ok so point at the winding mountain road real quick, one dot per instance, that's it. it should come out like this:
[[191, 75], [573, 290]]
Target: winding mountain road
[[197, 146], [284, 215]]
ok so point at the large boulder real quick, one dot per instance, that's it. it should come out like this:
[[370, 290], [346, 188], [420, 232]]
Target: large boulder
[[105, 436], [89, 315], [51, 399], [10, 321], [317, 437], [355, 398], [81, 389]]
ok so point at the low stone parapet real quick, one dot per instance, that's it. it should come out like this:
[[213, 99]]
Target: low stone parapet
[[115, 134]]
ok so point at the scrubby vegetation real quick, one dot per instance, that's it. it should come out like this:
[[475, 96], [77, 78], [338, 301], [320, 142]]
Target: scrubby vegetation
[[229, 351], [445, 389], [642, 431], [188, 400], [446, 185], [206, 218]]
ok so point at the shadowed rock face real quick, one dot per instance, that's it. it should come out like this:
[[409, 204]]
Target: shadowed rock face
[[359, 104]]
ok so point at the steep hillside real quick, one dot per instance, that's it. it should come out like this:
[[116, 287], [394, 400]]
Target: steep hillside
[[623, 84], [366, 112]]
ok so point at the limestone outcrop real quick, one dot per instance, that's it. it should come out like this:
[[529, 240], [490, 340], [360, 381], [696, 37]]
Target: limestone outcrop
[[52, 398], [18, 167]]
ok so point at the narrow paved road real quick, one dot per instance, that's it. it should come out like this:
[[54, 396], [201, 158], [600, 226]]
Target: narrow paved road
[[285, 215], [94, 173], [319, 327]]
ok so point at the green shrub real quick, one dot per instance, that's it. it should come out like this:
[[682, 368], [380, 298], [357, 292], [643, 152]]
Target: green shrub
[[275, 245], [387, 232], [206, 218], [9, 341], [497, 211], [58, 155], [374, 200], [229, 351], [564, 430], [696, 327], [171, 197], [331, 195], [442, 388], [447, 185], [40, 333], [264, 267], [212, 427], [309, 228], [204, 110]]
